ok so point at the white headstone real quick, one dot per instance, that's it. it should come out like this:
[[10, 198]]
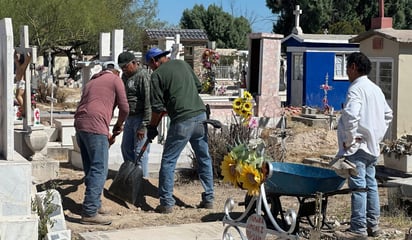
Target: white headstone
[[104, 50], [6, 89], [17, 221], [117, 43]]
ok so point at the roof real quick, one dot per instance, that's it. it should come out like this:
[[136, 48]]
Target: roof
[[320, 38], [402, 36], [185, 34]]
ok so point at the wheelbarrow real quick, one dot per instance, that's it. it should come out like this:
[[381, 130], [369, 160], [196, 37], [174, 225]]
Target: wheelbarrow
[[311, 186]]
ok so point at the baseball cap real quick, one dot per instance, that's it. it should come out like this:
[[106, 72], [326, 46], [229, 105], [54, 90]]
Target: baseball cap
[[111, 65], [124, 58], [155, 53]]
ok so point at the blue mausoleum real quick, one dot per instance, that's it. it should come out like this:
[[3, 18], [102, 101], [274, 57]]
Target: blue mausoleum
[[317, 65]]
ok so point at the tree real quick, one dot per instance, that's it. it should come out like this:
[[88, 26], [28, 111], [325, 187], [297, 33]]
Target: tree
[[227, 31], [73, 27], [141, 14], [346, 27], [328, 14], [55, 23]]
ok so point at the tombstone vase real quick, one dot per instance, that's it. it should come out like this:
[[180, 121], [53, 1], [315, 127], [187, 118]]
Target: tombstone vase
[[36, 139]]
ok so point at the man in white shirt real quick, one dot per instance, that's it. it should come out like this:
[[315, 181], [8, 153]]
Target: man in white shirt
[[362, 126]]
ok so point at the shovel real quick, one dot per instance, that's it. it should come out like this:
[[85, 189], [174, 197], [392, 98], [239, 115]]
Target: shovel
[[128, 181]]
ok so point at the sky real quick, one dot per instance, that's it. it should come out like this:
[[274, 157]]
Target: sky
[[171, 11]]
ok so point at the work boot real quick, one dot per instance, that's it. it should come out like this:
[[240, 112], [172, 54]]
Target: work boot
[[374, 233], [103, 211], [206, 205], [98, 219], [349, 235], [164, 209]]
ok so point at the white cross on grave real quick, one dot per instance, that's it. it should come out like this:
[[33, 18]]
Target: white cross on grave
[[297, 29], [25, 48]]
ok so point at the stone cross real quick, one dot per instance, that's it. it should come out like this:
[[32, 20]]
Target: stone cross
[[297, 29], [177, 49], [106, 53], [24, 48]]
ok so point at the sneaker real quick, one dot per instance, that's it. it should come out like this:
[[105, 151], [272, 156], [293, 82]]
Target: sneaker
[[98, 219], [347, 235], [164, 209], [374, 233], [207, 205]]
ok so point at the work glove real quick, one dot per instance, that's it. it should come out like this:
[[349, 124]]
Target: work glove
[[152, 132], [343, 167]]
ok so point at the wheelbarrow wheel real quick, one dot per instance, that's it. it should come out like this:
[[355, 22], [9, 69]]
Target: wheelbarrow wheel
[[275, 210]]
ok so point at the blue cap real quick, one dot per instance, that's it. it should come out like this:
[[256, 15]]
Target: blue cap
[[155, 53]]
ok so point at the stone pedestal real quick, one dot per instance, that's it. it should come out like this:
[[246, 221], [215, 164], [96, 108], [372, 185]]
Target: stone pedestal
[[264, 75], [30, 145], [399, 162], [16, 219], [400, 194]]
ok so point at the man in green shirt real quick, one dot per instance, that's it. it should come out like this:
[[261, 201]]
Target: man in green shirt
[[175, 88]]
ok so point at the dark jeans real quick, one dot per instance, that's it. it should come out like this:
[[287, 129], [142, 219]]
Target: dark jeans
[[95, 156], [179, 134]]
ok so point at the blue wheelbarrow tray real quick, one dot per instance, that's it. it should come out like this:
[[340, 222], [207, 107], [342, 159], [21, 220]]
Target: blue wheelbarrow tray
[[298, 180]]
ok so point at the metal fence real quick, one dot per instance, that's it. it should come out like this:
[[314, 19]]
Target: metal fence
[[225, 73]]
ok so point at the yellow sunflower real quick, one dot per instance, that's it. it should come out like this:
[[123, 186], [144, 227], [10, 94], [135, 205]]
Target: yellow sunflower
[[247, 106], [246, 115], [237, 103], [251, 179], [247, 95], [229, 171]]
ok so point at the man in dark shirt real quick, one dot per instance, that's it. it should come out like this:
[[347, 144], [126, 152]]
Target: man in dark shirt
[[137, 84], [175, 88], [101, 95]]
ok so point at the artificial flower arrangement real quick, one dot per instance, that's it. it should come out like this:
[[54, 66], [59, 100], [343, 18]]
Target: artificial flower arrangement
[[210, 58], [246, 165]]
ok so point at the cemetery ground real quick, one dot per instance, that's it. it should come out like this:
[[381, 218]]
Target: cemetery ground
[[302, 142]]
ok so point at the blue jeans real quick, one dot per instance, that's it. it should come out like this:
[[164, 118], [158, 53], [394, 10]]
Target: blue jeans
[[131, 145], [365, 205], [94, 150], [179, 134]]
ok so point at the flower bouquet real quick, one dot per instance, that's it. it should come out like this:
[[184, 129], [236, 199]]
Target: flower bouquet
[[210, 58], [246, 165]]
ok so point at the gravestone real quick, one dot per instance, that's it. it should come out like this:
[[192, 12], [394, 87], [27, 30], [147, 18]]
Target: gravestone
[[23, 49], [264, 76], [30, 140], [16, 219]]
